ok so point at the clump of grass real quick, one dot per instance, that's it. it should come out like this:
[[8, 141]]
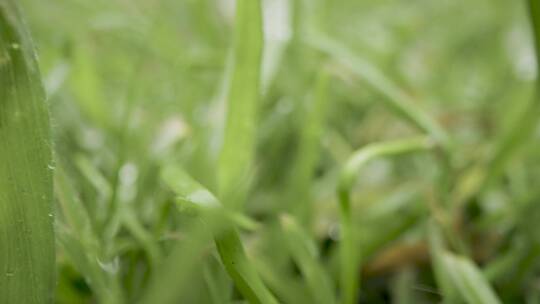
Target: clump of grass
[[180, 178]]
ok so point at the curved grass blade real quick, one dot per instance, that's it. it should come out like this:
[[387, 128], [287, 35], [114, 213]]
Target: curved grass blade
[[228, 241], [27, 254], [349, 257], [396, 99], [305, 254], [193, 198]]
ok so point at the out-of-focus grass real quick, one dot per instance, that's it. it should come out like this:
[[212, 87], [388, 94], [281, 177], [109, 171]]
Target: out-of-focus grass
[[139, 89]]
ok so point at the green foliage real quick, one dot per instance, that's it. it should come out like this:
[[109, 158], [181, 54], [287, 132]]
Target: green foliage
[[242, 103], [349, 254], [27, 251], [270, 151]]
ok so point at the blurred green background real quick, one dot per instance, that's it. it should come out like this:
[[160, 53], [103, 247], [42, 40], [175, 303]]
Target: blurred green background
[[135, 86]]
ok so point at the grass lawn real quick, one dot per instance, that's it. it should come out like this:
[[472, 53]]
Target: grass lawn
[[269, 151]]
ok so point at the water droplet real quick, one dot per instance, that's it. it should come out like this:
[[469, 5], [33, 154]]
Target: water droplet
[[15, 46], [50, 215], [51, 166]]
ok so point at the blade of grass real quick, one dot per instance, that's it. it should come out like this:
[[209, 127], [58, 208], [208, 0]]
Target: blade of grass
[[218, 282], [305, 254], [80, 243], [103, 283], [239, 139], [522, 128], [437, 248], [469, 280], [402, 287], [239, 145], [193, 198], [228, 241], [27, 254], [284, 285], [87, 85], [74, 211], [349, 257], [126, 214], [396, 99], [309, 150], [173, 276]]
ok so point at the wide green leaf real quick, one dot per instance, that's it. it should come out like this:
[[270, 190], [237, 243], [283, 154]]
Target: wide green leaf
[[27, 255]]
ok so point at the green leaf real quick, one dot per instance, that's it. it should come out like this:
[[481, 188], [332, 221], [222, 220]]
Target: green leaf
[[78, 241], [172, 278], [286, 286], [193, 198], [468, 279], [218, 282], [27, 254], [396, 98], [87, 85], [437, 249], [101, 275], [309, 149], [239, 140], [305, 253], [349, 256], [522, 128], [228, 241], [238, 149]]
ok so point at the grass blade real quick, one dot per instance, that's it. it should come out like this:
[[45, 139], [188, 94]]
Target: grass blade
[[305, 254], [396, 99], [172, 278], [79, 242], [228, 242], [437, 249], [468, 279], [309, 150], [87, 86], [349, 256], [103, 282], [239, 140], [239, 145], [522, 128], [27, 254]]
